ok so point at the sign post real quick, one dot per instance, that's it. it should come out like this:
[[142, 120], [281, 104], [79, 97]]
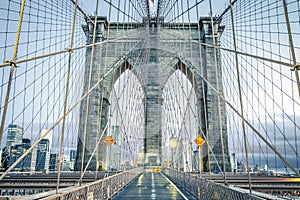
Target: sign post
[[109, 140], [199, 141]]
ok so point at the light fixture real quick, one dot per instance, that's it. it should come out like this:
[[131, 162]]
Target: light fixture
[[173, 142]]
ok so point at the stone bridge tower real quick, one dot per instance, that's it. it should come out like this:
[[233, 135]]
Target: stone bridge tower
[[159, 42]]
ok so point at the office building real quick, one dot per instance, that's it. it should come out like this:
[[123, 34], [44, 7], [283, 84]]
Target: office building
[[72, 158], [43, 155], [14, 136], [49, 137], [53, 162], [17, 151]]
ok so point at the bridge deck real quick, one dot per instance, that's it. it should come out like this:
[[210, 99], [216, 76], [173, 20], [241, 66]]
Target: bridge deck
[[151, 185]]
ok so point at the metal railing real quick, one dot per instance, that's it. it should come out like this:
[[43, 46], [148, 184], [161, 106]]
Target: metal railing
[[204, 189], [101, 189]]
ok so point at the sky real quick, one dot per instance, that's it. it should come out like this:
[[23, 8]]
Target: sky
[[217, 6]]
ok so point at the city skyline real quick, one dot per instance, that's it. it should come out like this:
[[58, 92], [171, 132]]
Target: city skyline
[[38, 159]]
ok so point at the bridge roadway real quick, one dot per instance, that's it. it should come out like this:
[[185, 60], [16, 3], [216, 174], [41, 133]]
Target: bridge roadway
[[143, 185], [152, 185]]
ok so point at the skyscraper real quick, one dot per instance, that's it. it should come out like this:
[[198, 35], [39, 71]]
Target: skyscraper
[[16, 152], [4, 159], [43, 155], [53, 163], [14, 136], [43, 152], [49, 137], [72, 155], [72, 158]]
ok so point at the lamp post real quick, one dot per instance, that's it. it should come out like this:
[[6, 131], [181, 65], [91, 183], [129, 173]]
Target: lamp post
[[173, 145]]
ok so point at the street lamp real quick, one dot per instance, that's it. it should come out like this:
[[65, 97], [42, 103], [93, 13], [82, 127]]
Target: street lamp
[[173, 145]]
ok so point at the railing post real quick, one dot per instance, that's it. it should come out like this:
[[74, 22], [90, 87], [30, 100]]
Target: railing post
[[109, 188], [101, 190], [184, 178], [87, 192]]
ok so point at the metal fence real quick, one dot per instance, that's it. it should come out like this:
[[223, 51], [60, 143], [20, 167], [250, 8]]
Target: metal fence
[[101, 189], [204, 189]]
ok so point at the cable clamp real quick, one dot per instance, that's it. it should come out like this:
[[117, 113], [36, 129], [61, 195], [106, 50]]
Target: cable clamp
[[11, 63], [70, 50], [296, 67]]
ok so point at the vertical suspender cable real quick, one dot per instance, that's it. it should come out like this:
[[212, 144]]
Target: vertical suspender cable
[[88, 89], [104, 71], [218, 91], [113, 81], [66, 99], [192, 82], [240, 96]]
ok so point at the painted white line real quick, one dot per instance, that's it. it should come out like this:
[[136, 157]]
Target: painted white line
[[175, 187], [153, 195]]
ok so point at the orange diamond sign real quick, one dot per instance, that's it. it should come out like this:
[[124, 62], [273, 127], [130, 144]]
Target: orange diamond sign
[[109, 140], [199, 141]]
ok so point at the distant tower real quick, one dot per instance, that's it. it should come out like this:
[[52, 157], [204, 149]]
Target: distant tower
[[233, 162], [33, 159], [72, 155], [4, 159], [53, 162], [49, 137], [43, 150], [14, 136], [43, 155], [72, 158], [17, 151]]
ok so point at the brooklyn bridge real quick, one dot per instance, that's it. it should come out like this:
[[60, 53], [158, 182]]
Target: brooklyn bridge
[[144, 99]]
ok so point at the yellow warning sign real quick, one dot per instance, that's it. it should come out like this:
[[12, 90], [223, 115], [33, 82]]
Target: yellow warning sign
[[109, 140], [199, 141]]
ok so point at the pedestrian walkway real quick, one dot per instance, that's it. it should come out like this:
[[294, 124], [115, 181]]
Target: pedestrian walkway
[[152, 185]]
